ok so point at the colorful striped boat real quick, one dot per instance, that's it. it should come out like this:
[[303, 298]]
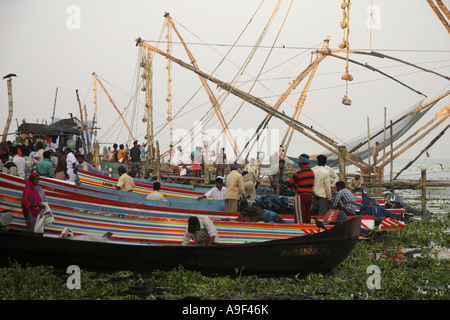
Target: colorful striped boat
[[132, 226], [62, 191]]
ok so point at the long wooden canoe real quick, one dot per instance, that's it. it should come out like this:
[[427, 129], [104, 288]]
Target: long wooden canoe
[[319, 252]]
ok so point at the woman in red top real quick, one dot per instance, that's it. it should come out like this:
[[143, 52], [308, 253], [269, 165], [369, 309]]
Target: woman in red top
[[32, 200], [303, 182]]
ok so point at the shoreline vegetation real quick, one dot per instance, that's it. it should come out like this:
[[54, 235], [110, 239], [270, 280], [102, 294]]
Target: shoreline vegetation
[[406, 265]]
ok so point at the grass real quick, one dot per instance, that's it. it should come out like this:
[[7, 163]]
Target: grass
[[397, 278]]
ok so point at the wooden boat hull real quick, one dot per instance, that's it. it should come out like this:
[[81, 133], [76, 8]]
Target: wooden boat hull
[[320, 252]]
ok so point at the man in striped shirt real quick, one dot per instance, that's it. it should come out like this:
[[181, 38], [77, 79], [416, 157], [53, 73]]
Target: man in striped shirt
[[344, 201], [303, 182]]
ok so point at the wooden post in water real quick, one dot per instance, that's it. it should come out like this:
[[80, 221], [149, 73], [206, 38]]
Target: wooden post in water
[[342, 156], [392, 155], [368, 142], [423, 182], [10, 111]]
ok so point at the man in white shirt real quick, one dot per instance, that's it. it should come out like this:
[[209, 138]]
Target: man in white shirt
[[155, 195], [321, 188], [217, 192], [202, 230], [18, 161]]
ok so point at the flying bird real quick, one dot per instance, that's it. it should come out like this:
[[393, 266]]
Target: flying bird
[[8, 76]]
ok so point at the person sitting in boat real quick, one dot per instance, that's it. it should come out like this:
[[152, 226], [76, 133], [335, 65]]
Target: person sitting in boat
[[122, 155], [345, 201], [86, 166], [9, 167], [356, 183], [202, 230], [217, 192], [32, 200], [155, 195], [125, 183], [45, 167]]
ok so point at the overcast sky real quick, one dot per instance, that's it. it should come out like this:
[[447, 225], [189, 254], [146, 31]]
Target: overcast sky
[[59, 44]]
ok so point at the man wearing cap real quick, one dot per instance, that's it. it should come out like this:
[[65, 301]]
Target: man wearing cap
[[201, 230], [356, 183], [303, 182], [234, 189]]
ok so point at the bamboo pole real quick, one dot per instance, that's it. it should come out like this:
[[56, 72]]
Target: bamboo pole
[[114, 105], [10, 110], [54, 105], [83, 141], [443, 8], [439, 15], [158, 163], [342, 156]]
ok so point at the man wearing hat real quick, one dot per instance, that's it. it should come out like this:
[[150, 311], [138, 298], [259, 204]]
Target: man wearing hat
[[234, 189], [356, 183], [303, 182], [201, 230]]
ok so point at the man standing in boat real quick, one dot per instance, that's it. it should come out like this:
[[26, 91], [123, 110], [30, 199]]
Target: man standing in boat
[[221, 163], [277, 179], [234, 189], [125, 183], [135, 154], [322, 187], [202, 230], [303, 182]]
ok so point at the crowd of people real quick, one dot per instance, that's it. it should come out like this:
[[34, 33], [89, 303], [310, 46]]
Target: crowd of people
[[22, 160]]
